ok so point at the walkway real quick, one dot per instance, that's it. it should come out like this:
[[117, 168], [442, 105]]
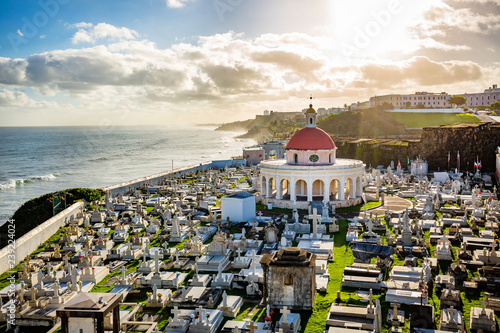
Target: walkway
[[395, 204]]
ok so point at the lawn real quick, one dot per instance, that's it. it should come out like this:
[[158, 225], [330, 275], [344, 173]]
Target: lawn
[[421, 120]]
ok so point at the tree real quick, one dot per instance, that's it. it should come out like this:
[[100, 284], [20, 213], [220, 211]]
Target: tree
[[458, 100], [408, 104], [420, 106], [495, 106], [386, 106]]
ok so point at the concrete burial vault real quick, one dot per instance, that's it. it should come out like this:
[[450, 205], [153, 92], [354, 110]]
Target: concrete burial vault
[[86, 313]]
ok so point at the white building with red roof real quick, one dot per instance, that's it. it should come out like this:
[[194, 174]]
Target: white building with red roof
[[311, 171]]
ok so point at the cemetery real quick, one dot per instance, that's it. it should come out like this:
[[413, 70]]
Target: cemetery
[[178, 257]]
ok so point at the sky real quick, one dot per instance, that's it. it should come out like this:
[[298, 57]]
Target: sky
[[142, 62]]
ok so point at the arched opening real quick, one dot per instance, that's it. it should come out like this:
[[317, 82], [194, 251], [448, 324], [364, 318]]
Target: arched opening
[[334, 190], [330, 158], [310, 120], [317, 190], [285, 189], [263, 186], [295, 158], [301, 190], [288, 279]]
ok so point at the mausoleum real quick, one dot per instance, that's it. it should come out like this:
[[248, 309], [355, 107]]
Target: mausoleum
[[290, 278]]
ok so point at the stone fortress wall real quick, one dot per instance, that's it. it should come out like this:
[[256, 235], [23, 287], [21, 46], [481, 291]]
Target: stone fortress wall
[[471, 140], [29, 242]]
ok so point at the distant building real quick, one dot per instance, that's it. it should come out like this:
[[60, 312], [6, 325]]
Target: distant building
[[253, 155], [485, 98], [274, 149], [427, 99]]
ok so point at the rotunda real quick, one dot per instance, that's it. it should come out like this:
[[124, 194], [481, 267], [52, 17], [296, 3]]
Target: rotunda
[[311, 171]]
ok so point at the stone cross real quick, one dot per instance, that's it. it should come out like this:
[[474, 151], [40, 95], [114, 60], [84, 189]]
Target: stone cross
[[157, 257], [239, 251], [202, 314], [33, 294], [285, 313], [253, 256], [176, 322], [395, 305], [483, 302], [315, 218], [235, 330], [196, 269], [371, 298], [252, 327]]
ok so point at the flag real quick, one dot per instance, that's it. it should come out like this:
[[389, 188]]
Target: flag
[[448, 157], [399, 164], [458, 156], [408, 160], [479, 165], [475, 165]]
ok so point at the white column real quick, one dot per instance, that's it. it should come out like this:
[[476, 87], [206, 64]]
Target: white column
[[326, 190], [309, 190], [279, 189], [341, 188], [293, 196]]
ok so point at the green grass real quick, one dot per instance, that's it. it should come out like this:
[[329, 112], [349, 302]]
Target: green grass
[[359, 207], [421, 120]]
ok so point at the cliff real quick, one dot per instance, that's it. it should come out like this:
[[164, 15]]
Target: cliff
[[471, 140]]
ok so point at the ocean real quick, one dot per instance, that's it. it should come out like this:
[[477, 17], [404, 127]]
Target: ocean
[[38, 160]]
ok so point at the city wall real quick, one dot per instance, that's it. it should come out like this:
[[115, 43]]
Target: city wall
[[158, 178], [29, 242], [472, 141]]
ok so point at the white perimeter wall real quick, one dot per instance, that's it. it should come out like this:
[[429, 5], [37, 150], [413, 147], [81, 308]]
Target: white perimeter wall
[[29, 242]]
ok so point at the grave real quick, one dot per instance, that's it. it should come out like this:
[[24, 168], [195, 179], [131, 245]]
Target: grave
[[230, 305], [482, 318], [451, 320], [289, 322], [206, 321]]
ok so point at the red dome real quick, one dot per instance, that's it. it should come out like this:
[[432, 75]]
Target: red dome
[[310, 138]]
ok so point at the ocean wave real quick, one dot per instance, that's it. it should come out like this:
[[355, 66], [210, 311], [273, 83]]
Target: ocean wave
[[11, 183]]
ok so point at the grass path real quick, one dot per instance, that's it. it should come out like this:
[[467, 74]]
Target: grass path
[[421, 120]]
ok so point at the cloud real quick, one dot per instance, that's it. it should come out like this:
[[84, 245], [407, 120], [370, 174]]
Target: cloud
[[226, 72], [443, 19], [19, 33], [88, 33], [418, 71], [177, 3]]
